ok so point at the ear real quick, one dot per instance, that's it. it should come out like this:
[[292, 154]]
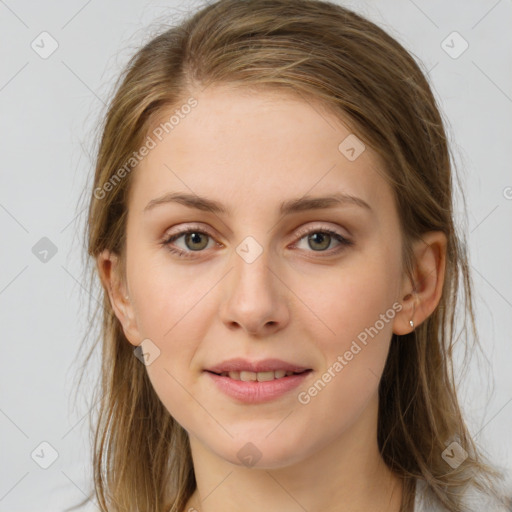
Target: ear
[[421, 296], [109, 270]]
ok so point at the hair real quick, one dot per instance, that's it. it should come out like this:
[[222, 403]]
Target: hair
[[330, 55]]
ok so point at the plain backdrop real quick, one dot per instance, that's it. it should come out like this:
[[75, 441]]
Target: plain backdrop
[[50, 108]]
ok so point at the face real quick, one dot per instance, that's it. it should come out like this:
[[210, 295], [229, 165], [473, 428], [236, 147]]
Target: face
[[265, 276]]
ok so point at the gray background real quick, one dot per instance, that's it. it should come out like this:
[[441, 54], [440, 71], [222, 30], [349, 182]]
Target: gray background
[[50, 108]]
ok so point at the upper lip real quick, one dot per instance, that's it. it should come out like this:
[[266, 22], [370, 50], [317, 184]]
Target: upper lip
[[266, 365]]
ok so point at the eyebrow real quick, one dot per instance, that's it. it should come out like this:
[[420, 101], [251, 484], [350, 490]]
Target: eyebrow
[[286, 208]]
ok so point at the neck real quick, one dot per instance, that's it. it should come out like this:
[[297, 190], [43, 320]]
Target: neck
[[347, 474]]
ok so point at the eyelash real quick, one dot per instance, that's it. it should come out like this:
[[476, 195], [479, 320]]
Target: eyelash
[[344, 242]]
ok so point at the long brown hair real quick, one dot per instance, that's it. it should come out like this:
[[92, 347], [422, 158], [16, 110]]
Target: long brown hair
[[330, 55]]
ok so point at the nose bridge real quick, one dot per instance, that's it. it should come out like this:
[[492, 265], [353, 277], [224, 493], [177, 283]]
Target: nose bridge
[[252, 276], [252, 273], [255, 299]]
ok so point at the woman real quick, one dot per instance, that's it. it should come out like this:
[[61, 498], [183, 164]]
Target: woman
[[271, 220]]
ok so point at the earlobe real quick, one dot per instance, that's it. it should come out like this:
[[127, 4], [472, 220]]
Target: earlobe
[[109, 271], [422, 293], [406, 320]]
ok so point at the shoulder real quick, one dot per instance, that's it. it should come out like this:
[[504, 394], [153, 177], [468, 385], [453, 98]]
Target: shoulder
[[474, 501]]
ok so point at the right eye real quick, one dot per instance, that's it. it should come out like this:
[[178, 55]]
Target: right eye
[[193, 238]]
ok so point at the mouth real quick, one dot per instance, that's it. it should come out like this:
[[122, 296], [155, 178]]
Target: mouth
[[248, 376], [250, 387]]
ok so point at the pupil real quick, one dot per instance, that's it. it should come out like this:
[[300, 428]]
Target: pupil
[[319, 238], [195, 238]]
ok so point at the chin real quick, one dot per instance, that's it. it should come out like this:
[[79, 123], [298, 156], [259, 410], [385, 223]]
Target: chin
[[264, 454]]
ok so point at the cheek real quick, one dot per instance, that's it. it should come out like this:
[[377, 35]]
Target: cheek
[[166, 295], [175, 323], [355, 306], [349, 299], [174, 391], [364, 308]]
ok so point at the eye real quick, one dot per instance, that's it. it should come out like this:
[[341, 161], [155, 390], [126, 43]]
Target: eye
[[320, 239], [195, 240]]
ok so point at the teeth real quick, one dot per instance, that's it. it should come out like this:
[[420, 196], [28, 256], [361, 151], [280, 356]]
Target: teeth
[[248, 376], [264, 376], [257, 376]]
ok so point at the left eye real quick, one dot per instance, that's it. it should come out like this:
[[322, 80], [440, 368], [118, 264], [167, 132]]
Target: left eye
[[320, 240]]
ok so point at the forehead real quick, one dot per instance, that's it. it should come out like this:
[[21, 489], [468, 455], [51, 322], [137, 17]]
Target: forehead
[[246, 146]]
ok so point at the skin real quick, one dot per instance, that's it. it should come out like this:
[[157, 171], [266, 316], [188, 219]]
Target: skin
[[295, 302]]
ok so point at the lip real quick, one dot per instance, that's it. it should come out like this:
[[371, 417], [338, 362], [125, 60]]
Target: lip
[[254, 392], [266, 365]]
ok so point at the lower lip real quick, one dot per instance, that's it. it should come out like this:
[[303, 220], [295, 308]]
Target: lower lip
[[258, 392]]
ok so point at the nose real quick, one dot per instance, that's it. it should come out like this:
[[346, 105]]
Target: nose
[[256, 298]]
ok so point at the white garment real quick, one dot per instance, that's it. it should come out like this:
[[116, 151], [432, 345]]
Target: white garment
[[426, 501]]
